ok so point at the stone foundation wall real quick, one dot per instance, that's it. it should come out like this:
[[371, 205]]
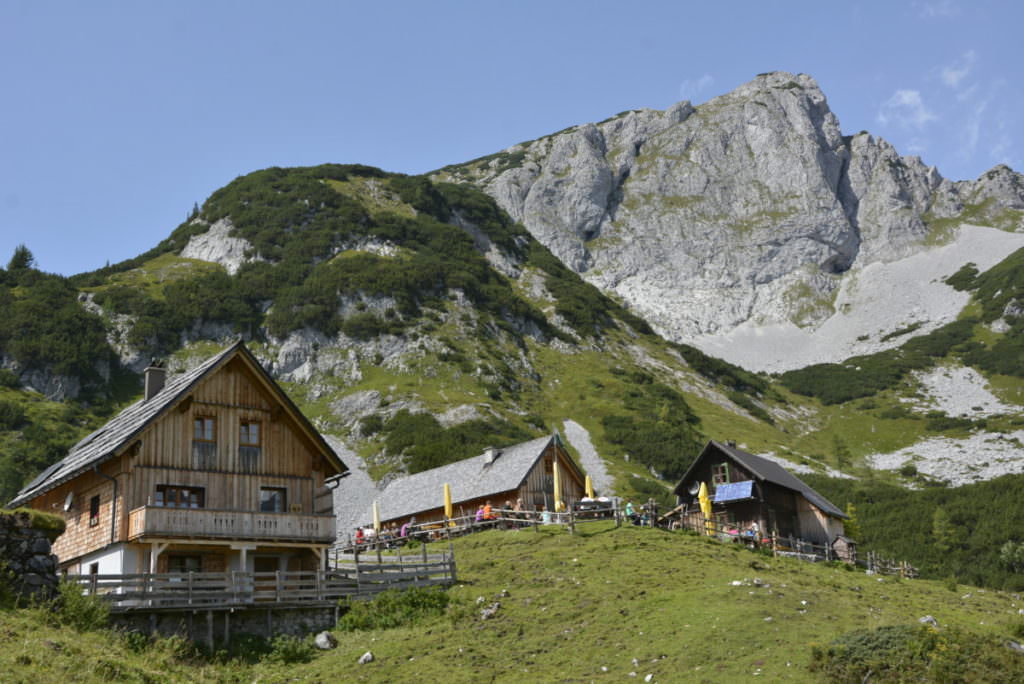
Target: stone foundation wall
[[214, 627], [29, 568]]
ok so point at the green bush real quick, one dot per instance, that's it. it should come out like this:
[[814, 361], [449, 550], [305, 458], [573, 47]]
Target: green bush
[[425, 444], [42, 326], [744, 401], [78, 611], [287, 649], [863, 376], [394, 608], [12, 415], [661, 432], [976, 522], [936, 421], [911, 653]]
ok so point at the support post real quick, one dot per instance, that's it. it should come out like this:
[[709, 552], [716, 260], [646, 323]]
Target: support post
[[209, 630]]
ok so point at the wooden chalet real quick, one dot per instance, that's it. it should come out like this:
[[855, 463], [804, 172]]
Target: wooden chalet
[[214, 470], [747, 489], [521, 471]]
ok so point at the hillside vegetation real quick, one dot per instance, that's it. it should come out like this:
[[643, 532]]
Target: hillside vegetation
[[417, 322], [592, 607], [959, 532]]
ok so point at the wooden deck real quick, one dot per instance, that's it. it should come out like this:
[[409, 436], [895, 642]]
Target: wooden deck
[[355, 578]]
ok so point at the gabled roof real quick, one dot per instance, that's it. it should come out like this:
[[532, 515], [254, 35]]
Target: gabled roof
[[769, 471], [109, 440], [470, 478]]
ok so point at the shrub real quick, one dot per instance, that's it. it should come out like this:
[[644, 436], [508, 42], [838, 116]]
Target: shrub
[[394, 608], [371, 424], [12, 415], [424, 444], [940, 422], [288, 649], [78, 611], [863, 376], [661, 431], [904, 653]]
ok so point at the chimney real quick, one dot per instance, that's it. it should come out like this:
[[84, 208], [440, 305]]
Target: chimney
[[154, 375], [731, 442], [490, 453]]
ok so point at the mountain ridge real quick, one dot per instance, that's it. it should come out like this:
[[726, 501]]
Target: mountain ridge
[[747, 208]]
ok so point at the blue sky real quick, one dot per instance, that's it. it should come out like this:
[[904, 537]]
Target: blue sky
[[117, 116]]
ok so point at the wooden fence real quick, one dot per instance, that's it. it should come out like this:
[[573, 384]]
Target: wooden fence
[[376, 572], [450, 528], [794, 548], [360, 578]]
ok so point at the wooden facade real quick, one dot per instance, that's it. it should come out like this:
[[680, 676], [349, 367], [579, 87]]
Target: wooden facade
[[533, 483], [225, 475], [778, 503]]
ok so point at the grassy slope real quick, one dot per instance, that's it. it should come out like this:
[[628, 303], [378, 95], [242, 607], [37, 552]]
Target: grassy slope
[[575, 604]]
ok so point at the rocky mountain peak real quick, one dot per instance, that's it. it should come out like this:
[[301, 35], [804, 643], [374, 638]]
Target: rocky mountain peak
[[744, 210]]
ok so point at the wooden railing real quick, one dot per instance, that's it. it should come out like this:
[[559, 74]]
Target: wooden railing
[[794, 548], [214, 589], [376, 573], [204, 522], [453, 527], [357, 578]]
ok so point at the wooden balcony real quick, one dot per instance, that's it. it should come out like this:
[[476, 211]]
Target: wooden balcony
[[205, 523]]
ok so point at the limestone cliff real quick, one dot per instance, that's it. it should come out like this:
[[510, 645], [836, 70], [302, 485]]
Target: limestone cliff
[[745, 210]]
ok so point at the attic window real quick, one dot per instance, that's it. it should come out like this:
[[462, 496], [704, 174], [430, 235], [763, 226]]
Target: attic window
[[720, 473], [204, 443], [249, 445]]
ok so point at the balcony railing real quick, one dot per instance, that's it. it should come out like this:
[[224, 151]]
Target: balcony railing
[[157, 521]]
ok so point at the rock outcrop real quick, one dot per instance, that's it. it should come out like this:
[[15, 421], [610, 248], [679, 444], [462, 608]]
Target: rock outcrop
[[217, 245], [747, 209]]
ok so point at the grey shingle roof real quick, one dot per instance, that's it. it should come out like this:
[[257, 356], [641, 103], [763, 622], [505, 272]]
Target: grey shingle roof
[[470, 478], [770, 471], [105, 442]]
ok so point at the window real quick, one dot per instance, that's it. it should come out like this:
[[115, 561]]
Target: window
[[720, 473], [273, 499], [205, 429], [183, 564], [94, 510], [248, 445], [174, 496], [94, 568], [204, 443], [249, 434]]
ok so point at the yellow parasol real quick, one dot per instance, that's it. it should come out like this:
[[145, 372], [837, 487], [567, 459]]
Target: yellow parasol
[[559, 506], [589, 487], [447, 501], [705, 505], [376, 517]]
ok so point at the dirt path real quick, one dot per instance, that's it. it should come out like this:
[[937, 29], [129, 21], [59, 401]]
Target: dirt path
[[591, 463]]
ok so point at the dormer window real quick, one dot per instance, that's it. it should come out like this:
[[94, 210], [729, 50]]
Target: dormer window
[[204, 443], [249, 445]]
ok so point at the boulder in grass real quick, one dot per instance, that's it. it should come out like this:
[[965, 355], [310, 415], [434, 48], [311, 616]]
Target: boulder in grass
[[325, 641]]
